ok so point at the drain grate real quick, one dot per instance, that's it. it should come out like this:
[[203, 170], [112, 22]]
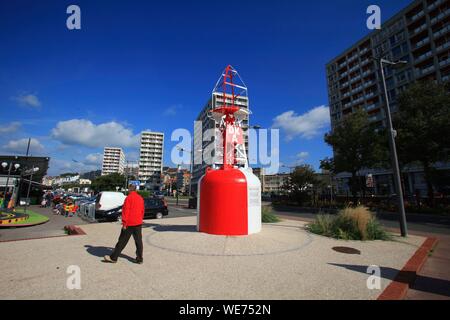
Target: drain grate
[[346, 250]]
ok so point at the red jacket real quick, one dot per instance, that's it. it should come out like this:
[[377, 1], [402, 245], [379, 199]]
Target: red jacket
[[133, 210]]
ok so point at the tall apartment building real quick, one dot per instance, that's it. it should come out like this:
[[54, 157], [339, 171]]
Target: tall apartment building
[[201, 148], [113, 160], [151, 158], [418, 34]]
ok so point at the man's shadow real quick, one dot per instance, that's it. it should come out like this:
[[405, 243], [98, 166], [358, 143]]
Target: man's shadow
[[103, 251], [170, 228]]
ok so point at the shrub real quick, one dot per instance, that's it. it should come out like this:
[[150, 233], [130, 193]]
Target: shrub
[[350, 224], [267, 215]]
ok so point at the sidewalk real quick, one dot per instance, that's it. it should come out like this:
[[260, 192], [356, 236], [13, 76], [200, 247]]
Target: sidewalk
[[282, 262], [54, 227], [433, 281]]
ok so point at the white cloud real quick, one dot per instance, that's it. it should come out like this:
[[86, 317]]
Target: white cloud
[[307, 125], [11, 127], [303, 155], [20, 146], [59, 166], [28, 100], [85, 133], [94, 159]]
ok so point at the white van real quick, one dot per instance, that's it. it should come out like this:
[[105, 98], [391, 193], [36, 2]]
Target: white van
[[108, 205]]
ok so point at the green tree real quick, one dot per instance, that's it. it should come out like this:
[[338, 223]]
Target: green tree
[[108, 182], [423, 128], [301, 182], [357, 145]]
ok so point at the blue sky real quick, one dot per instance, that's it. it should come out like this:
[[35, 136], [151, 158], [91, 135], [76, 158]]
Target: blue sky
[[138, 65]]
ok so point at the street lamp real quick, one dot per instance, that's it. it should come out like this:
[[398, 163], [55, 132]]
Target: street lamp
[[393, 149], [33, 170], [4, 165]]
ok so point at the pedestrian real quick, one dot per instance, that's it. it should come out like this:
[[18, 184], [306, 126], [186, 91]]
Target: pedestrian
[[132, 219]]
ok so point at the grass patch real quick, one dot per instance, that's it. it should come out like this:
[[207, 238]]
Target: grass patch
[[350, 224], [267, 216], [33, 218]]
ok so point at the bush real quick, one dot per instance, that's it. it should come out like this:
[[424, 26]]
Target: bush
[[267, 215], [350, 224], [144, 194]]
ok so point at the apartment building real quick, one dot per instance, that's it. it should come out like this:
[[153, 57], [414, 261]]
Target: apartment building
[[420, 35], [113, 160], [209, 152], [151, 159]]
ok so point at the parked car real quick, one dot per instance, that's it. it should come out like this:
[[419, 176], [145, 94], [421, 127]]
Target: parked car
[[158, 194], [155, 208], [192, 204], [108, 205]]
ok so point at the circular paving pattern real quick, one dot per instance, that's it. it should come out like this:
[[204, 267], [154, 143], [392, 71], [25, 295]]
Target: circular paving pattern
[[273, 239]]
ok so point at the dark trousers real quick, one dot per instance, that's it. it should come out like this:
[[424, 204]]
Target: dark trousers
[[124, 237]]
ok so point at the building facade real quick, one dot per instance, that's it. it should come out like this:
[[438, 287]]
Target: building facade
[[113, 161], [419, 35], [208, 151], [151, 159]]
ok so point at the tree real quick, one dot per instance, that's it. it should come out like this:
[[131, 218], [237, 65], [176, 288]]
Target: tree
[[327, 164], [423, 127], [300, 181], [357, 145], [108, 182]]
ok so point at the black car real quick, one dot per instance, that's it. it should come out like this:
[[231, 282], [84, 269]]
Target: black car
[[192, 204], [155, 208]]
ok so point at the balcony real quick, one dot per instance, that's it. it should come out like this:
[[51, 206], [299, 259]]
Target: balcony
[[441, 32], [368, 83], [371, 107], [421, 72], [355, 79], [443, 46], [356, 89], [360, 99], [416, 16], [444, 62], [424, 56], [364, 51], [353, 68], [365, 61], [419, 29], [369, 95], [440, 16], [435, 4], [421, 43]]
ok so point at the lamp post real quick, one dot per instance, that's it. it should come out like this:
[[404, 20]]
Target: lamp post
[[33, 170], [393, 150], [4, 165]]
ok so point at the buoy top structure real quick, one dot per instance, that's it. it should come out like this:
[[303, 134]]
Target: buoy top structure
[[230, 196]]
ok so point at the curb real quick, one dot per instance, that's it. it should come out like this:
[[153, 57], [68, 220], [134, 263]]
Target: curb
[[74, 230], [398, 288]]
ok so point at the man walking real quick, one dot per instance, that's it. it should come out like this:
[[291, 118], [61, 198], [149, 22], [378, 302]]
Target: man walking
[[132, 217]]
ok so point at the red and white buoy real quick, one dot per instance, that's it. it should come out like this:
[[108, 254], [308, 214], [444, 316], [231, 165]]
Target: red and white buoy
[[229, 198]]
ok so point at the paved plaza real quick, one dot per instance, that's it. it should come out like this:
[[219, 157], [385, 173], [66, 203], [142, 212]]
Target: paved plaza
[[284, 261]]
